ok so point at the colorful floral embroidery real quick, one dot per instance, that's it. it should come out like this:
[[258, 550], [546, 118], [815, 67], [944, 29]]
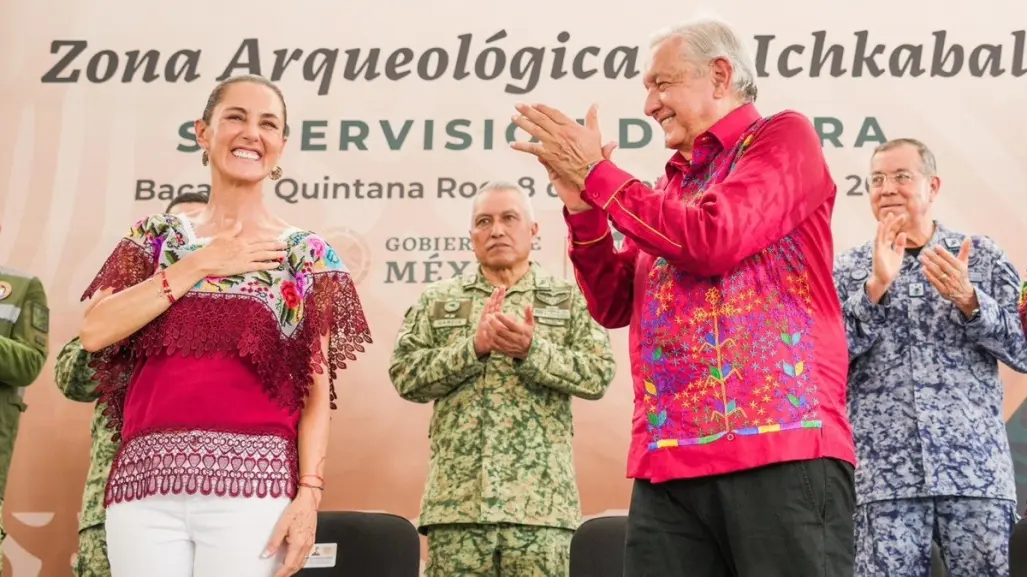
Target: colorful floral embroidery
[[281, 290], [736, 359], [310, 296]]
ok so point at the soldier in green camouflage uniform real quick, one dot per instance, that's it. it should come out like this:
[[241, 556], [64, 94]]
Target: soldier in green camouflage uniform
[[74, 378], [24, 342], [501, 497]]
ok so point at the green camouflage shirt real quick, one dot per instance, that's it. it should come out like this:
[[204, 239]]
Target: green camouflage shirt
[[24, 346], [501, 431], [74, 378]]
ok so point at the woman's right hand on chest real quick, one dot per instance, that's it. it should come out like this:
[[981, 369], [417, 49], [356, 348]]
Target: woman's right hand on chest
[[229, 255]]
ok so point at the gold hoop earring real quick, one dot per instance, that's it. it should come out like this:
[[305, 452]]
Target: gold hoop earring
[[205, 159], [276, 173]]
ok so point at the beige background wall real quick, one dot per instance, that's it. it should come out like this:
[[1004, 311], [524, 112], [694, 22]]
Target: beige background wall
[[72, 154]]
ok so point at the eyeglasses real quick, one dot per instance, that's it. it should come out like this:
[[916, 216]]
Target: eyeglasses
[[898, 179]]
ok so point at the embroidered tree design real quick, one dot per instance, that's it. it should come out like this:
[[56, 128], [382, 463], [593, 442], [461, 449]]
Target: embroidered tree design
[[720, 370]]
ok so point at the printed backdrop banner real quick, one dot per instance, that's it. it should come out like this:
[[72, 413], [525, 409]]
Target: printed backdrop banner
[[395, 124]]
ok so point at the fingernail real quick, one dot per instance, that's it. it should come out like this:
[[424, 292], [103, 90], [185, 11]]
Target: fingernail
[[265, 554]]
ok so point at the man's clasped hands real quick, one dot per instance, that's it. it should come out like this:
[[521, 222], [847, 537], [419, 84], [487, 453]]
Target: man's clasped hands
[[502, 333]]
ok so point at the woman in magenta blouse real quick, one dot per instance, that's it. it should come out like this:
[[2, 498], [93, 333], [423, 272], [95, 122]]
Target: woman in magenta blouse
[[217, 341]]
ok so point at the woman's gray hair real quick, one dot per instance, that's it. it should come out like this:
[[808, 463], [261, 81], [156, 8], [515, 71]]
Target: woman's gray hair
[[707, 39]]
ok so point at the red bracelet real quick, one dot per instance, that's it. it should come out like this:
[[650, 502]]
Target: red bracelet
[[165, 287], [309, 486]]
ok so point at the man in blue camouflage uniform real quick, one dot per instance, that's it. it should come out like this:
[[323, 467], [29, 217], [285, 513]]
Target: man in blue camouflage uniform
[[929, 313]]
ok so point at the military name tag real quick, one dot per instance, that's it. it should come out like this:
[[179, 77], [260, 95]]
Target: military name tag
[[40, 318], [446, 323], [916, 289], [551, 322], [553, 313], [450, 313]]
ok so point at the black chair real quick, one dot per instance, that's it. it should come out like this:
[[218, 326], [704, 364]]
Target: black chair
[[1018, 550], [368, 545], [597, 548]]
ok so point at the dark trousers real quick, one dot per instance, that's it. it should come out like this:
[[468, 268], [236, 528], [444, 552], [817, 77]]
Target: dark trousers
[[786, 520]]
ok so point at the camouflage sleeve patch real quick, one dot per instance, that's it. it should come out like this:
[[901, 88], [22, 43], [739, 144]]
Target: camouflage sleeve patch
[[37, 331], [40, 317]]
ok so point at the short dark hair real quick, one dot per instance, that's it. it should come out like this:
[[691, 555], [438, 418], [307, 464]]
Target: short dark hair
[[186, 198], [219, 91]]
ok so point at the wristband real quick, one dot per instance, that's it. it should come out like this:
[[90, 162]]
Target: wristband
[[165, 289]]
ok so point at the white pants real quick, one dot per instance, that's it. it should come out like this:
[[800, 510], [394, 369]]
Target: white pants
[[193, 536]]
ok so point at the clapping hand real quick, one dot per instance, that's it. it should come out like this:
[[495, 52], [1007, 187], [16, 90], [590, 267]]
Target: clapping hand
[[950, 275], [564, 147], [511, 337], [889, 250], [483, 343]]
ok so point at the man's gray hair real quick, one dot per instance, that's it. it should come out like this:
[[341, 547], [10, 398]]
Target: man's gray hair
[[929, 166], [707, 39], [504, 185]]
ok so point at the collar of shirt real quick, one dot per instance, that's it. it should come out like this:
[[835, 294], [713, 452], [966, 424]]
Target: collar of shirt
[[942, 235], [529, 281], [721, 136]]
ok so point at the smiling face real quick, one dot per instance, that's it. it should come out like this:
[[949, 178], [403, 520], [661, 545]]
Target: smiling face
[[245, 132], [900, 184], [685, 97]]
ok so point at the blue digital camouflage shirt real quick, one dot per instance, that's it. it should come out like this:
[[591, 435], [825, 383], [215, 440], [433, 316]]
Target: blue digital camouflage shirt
[[924, 393]]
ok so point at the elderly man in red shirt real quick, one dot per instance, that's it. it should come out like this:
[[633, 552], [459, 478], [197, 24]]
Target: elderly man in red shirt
[[741, 450]]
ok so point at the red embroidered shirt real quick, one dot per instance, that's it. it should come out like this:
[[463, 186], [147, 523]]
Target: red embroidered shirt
[[738, 352], [206, 398]]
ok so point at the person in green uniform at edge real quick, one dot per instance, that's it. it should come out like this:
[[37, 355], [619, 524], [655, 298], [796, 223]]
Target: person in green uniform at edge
[[501, 352], [75, 380], [24, 344]]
